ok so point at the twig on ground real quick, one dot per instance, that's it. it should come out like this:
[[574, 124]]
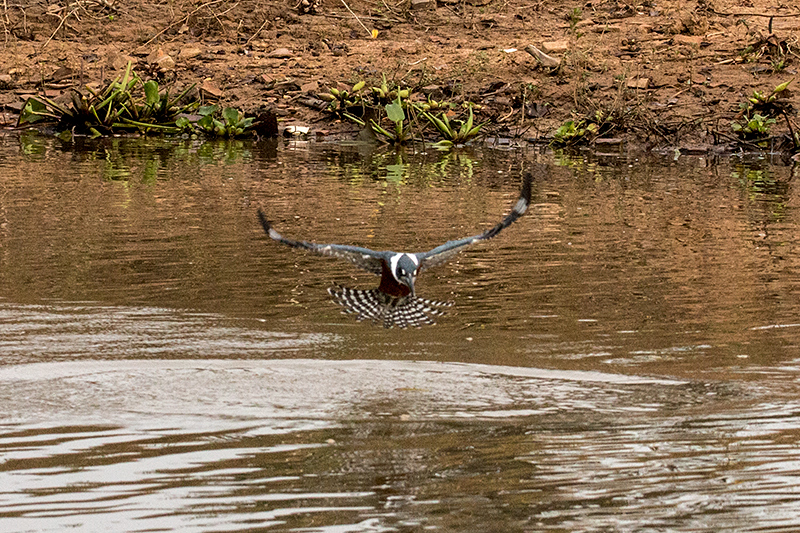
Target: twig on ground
[[751, 14], [377, 19], [266, 19], [180, 21], [60, 24], [357, 19]]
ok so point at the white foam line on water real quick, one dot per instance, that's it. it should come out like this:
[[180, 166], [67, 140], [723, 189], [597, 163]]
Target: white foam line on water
[[775, 326], [71, 369]]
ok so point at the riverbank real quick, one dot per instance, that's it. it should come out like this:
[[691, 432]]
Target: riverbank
[[669, 75]]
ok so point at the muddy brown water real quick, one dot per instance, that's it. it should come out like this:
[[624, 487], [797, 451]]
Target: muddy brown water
[[623, 358]]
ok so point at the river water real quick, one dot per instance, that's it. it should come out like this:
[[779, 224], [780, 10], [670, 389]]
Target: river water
[[625, 357]]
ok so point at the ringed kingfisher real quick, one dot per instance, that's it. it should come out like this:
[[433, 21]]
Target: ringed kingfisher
[[394, 302]]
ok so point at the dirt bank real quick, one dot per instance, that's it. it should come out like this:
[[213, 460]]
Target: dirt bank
[[669, 73]]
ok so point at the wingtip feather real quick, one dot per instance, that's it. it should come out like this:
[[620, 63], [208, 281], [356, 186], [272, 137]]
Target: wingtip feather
[[268, 229], [524, 195]]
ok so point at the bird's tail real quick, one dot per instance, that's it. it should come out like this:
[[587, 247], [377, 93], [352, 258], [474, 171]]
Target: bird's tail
[[380, 308]]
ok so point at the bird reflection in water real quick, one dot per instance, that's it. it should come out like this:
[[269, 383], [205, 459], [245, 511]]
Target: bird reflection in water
[[394, 302]]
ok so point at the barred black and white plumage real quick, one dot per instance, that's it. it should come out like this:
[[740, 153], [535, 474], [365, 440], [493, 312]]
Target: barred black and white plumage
[[390, 311], [394, 301]]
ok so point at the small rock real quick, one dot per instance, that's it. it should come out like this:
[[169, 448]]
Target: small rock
[[280, 53], [209, 88], [62, 73], [155, 54], [17, 105], [639, 83], [311, 87], [555, 47], [536, 110], [695, 149], [606, 28], [161, 60], [165, 63], [692, 40], [6, 81], [119, 61], [609, 141], [296, 131], [189, 53], [423, 4]]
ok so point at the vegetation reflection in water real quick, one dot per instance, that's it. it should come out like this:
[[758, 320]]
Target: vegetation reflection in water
[[627, 361]]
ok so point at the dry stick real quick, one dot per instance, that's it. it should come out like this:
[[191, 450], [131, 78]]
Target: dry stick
[[357, 19], [736, 140], [752, 14], [184, 19], [63, 20], [378, 19], [257, 31], [217, 15]]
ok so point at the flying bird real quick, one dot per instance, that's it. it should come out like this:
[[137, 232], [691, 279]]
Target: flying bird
[[394, 302]]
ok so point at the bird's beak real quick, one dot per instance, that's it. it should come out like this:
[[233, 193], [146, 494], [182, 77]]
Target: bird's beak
[[408, 281]]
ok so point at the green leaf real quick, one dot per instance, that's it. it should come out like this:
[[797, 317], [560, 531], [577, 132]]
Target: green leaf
[[782, 87], [207, 110], [378, 129], [32, 111], [151, 93], [231, 115], [395, 111], [353, 118], [439, 124], [474, 131], [207, 123]]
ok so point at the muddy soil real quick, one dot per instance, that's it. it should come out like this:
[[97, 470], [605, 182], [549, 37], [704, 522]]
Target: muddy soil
[[671, 73]]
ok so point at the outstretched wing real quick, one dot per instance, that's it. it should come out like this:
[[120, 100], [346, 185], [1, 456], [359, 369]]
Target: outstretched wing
[[369, 260], [443, 253]]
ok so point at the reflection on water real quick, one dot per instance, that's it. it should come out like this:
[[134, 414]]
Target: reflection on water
[[625, 360]]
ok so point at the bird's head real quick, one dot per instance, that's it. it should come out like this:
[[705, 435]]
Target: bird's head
[[404, 270]]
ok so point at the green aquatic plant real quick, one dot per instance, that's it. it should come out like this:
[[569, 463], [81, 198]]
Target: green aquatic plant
[[385, 94], [126, 103], [753, 127], [341, 99], [455, 132], [95, 114], [227, 122], [758, 111], [768, 103], [130, 104], [395, 114], [395, 104], [574, 132]]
